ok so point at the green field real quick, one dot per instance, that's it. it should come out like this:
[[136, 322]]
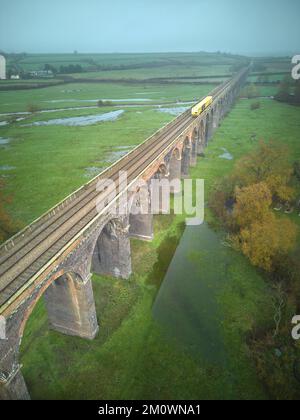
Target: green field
[[49, 162], [132, 357], [37, 61], [79, 94], [164, 71], [136, 68]]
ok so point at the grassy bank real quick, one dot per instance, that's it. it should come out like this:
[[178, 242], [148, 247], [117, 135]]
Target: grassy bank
[[131, 357]]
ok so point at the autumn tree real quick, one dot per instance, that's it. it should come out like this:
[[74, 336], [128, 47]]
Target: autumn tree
[[269, 163], [266, 240], [252, 204], [261, 237]]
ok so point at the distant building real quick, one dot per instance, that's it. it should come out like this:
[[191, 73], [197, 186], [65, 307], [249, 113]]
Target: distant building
[[41, 74], [2, 67]]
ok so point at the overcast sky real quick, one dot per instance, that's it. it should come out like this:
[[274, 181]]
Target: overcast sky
[[237, 26]]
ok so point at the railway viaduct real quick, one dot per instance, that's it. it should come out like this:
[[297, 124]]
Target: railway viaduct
[[56, 254]]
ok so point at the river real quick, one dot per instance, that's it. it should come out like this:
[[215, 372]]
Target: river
[[186, 304]]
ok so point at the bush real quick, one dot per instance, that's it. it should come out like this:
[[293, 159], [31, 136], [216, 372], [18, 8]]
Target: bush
[[254, 106], [101, 103], [32, 108]]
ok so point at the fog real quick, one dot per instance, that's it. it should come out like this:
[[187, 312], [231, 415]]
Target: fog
[[238, 26]]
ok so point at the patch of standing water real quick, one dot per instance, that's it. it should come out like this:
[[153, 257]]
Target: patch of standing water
[[46, 111], [55, 101], [118, 153], [4, 141], [92, 171], [80, 121], [5, 114], [7, 168], [226, 155], [3, 123], [186, 305], [173, 111]]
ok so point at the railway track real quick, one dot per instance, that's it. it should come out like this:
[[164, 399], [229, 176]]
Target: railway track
[[46, 238]]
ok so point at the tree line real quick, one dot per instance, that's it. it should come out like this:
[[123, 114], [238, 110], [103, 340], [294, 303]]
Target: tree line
[[253, 205]]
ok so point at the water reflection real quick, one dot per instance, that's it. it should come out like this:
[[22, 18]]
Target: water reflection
[[186, 304], [81, 121]]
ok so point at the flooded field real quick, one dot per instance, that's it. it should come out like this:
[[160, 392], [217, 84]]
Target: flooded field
[[4, 141], [81, 121], [54, 101], [226, 155], [173, 111]]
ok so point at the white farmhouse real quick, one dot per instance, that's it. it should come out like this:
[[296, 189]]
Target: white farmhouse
[[2, 67]]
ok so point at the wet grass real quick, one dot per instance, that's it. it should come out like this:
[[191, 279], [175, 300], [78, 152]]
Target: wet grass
[[132, 358], [76, 94], [50, 162]]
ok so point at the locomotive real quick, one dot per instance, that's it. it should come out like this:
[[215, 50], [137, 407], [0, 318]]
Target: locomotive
[[201, 106]]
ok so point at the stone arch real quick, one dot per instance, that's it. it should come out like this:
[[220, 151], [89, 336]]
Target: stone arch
[[226, 107], [219, 107], [186, 157], [211, 123], [194, 147], [140, 213], [70, 305], [71, 310], [216, 117], [207, 124], [163, 171], [175, 169], [112, 255], [201, 139]]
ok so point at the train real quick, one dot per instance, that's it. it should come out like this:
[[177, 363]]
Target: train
[[201, 106]]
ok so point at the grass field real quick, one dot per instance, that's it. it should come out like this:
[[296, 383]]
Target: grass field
[[80, 94], [37, 61], [47, 163], [192, 70], [136, 68], [132, 358]]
